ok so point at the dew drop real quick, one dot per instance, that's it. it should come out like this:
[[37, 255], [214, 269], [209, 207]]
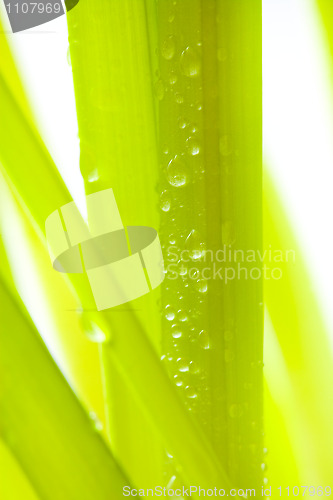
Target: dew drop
[[178, 380], [194, 274], [204, 340], [94, 333], [192, 146], [177, 172], [179, 98], [182, 365], [173, 78], [168, 48], [176, 333], [182, 269], [182, 122], [194, 245], [169, 313], [172, 239], [93, 176], [165, 203], [202, 286], [190, 65], [182, 316], [171, 17], [190, 392]]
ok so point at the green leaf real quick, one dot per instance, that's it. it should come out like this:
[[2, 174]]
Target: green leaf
[[43, 423]]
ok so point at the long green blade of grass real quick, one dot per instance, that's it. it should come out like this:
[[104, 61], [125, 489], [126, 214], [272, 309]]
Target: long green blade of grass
[[118, 150], [61, 327], [209, 111], [42, 422]]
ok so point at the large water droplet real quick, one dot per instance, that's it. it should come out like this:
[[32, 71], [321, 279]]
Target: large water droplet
[[204, 339], [182, 316], [93, 332], [93, 176], [190, 392], [168, 48], [190, 64], [182, 122], [182, 268], [201, 286], [179, 98], [194, 245], [169, 313], [192, 146], [178, 380], [182, 365], [177, 172], [172, 239], [176, 333]]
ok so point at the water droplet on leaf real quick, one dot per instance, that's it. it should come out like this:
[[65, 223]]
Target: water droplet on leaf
[[194, 245], [169, 313], [190, 64], [165, 201], [192, 146], [168, 48], [204, 340], [177, 172]]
